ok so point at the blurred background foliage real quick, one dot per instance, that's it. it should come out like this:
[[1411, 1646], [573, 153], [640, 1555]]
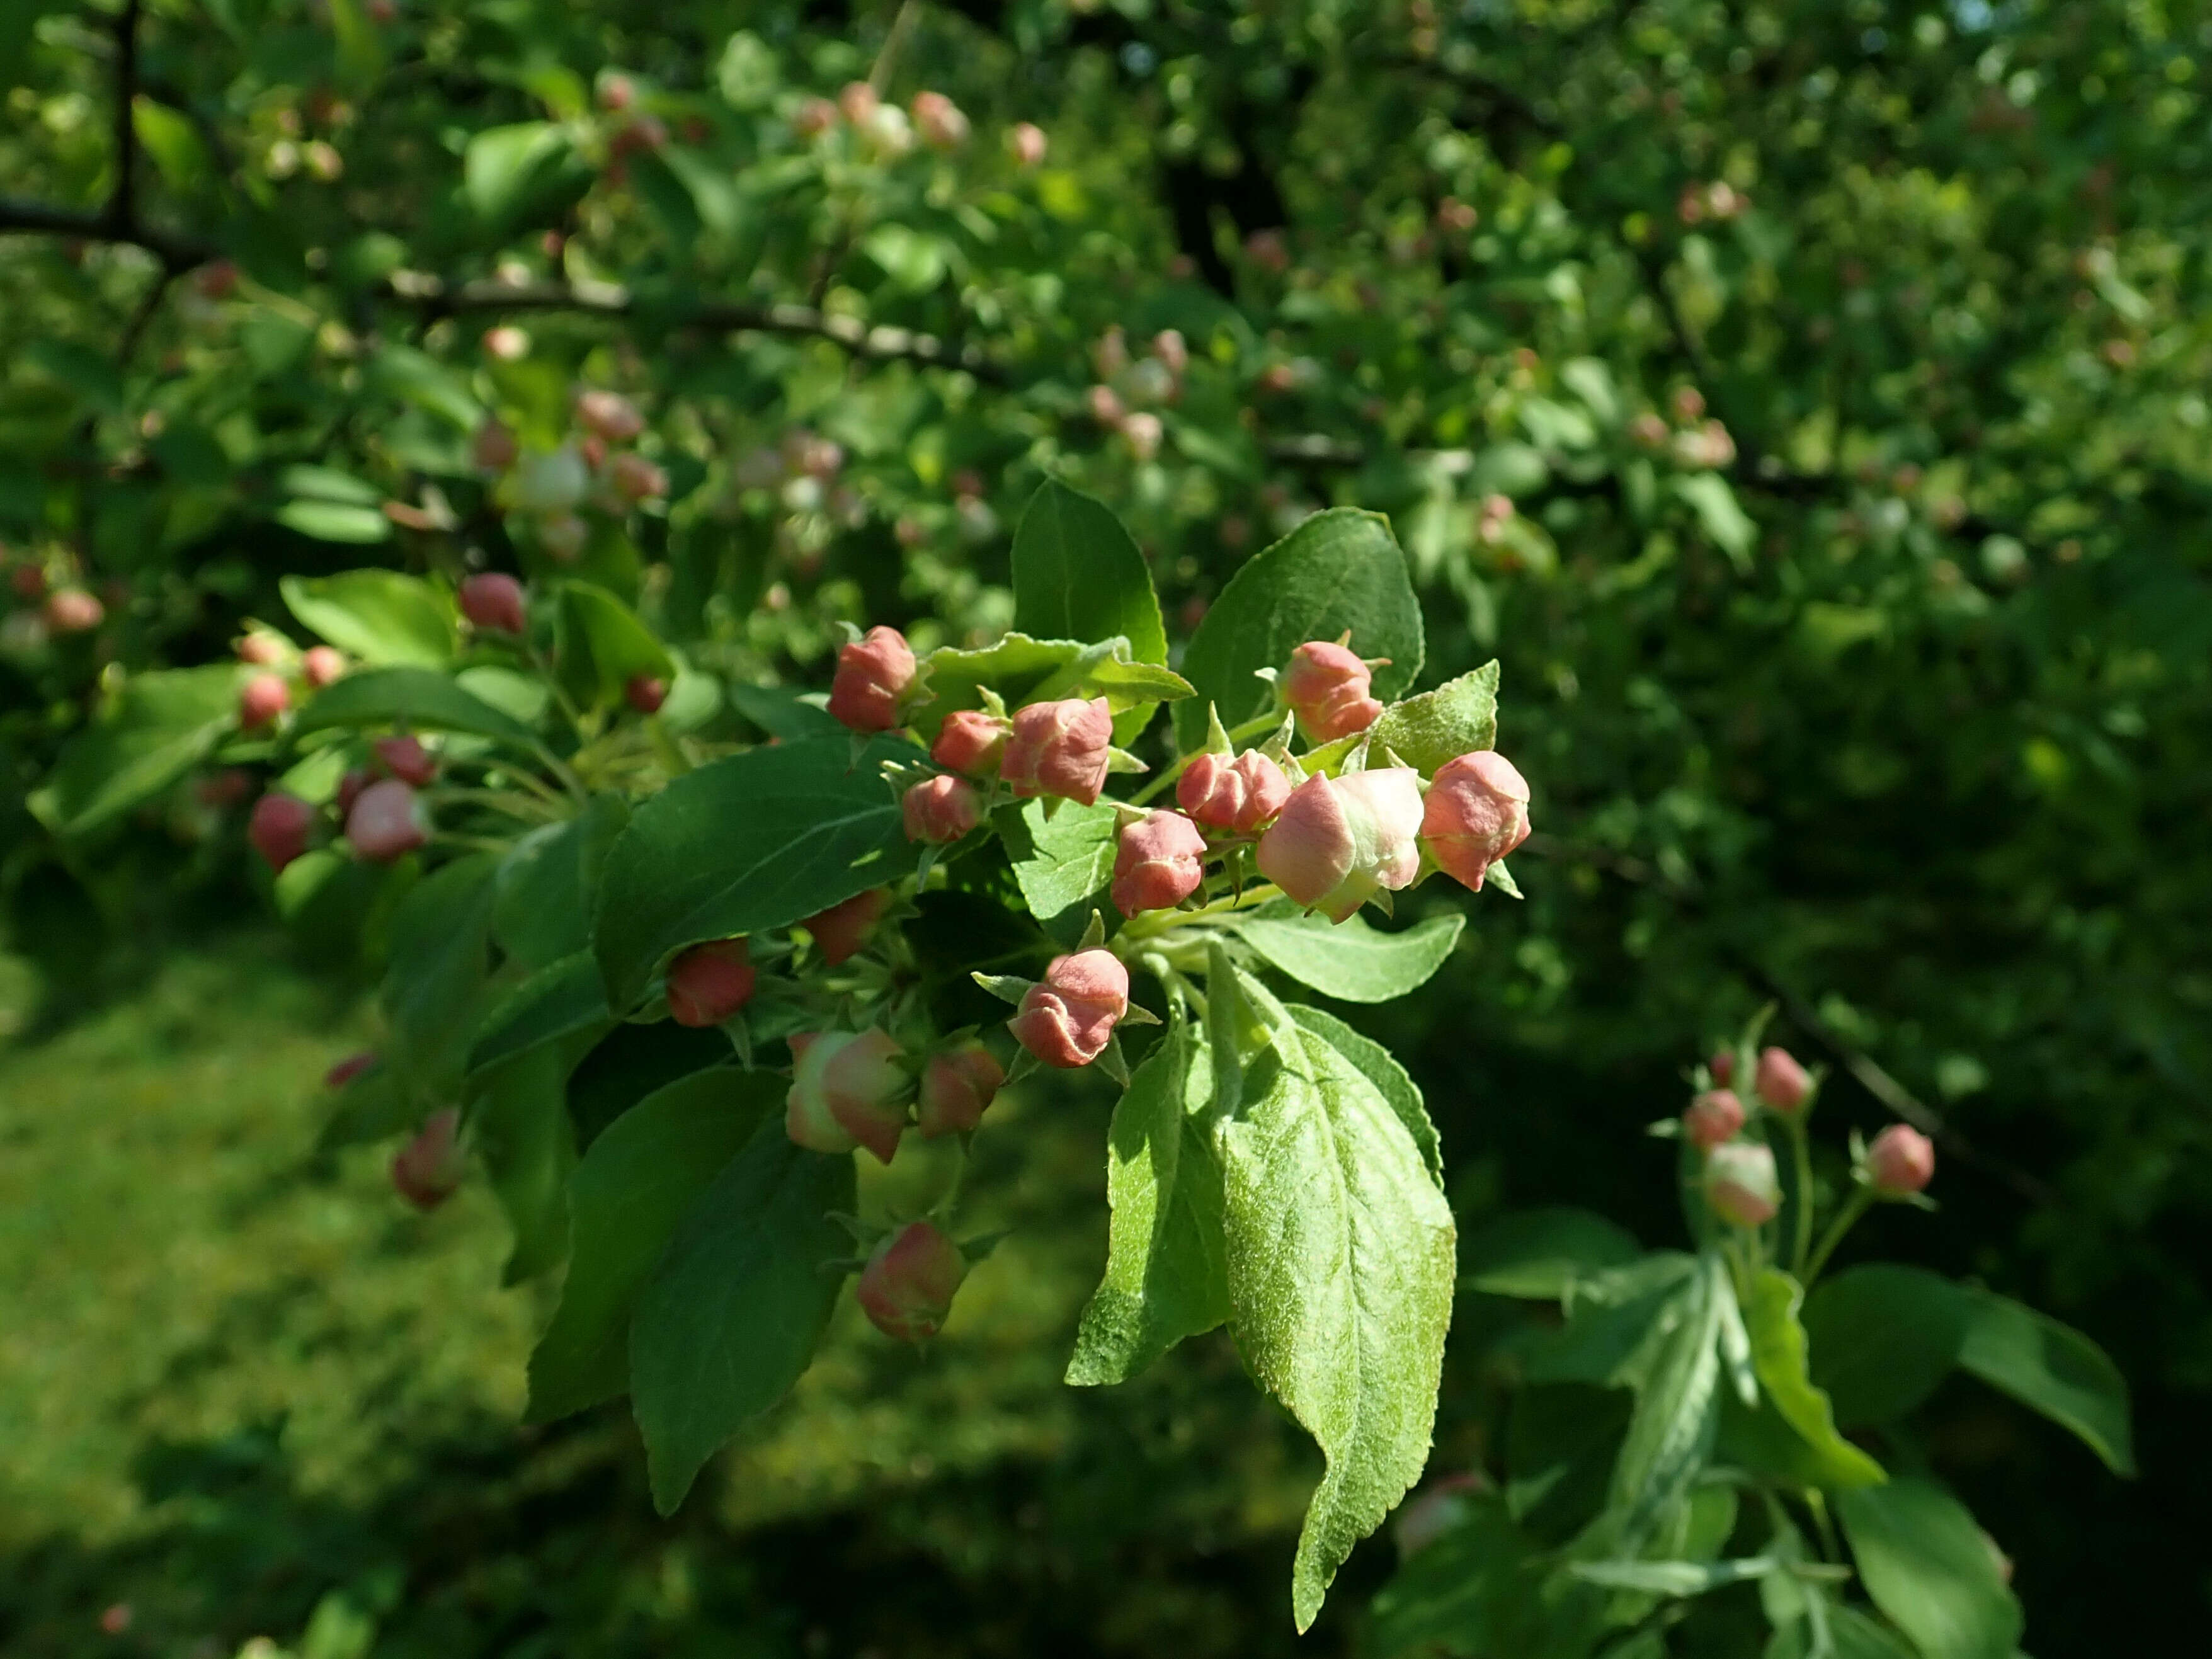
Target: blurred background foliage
[[1806, 401]]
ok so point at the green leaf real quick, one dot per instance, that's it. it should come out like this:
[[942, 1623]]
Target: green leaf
[[1673, 1577], [372, 1107], [170, 138], [1339, 1278], [548, 883], [2052, 1368], [505, 170], [603, 646], [1166, 1277], [518, 1123], [333, 521], [1621, 1322], [1677, 1410], [434, 986], [1458, 718], [1851, 1635], [1720, 515], [1351, 960], [1539, 1254], [1929, 1568], [419, 697], [783, 714], [379, 615], [1079, 575], [1064, 863], [1465, 1593], [146, 734], [729, 1320], [1381, 1069], [1778, 1356], [1883, 1336], [755, 840], [407, 375], [1340, 569], [636, 1184], [559, 1002], [953, 679]]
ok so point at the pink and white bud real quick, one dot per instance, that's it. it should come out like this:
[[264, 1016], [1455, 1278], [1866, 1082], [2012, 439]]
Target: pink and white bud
[[404, 758], [847, 1089], [939, 120], [1327, 686], [1060, 749], [1143, 433], [971, 742], [1740, 1183], [636, 478], [814, 118], [1236, 795], [710, 982], [875, 677], [387, 821], [73, 611], [1159, 862], [495, 447], [345, 1071], [507, 344], [940, 810], [859, 100], [550, 481], [322, 665], [1104, 405], [1067, 1019], [1028, 143], [1713, 1118], [494, 601], [263, 649], [957, 1087], [645, 693], [1340, 840], [1780, 1081], [279, 828], [261, 700], [886, 130], [1169, 348], [609, 415], [908, 1286], [427, 1169], [839, 931], [1902, 1160], [1476, 813]]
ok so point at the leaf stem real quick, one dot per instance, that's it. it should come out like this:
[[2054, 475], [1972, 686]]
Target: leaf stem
[[1857, 1205], [1145, 927], [1800, 1158]]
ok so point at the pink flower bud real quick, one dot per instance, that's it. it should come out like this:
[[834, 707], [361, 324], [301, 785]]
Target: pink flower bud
[[1068, 1020], [1340, 840], [908, 1286], [1780, 1081], [842, 928], [404, 758], [814, 118], [1740, 1183], [1027, 141], [427, 1169], [1476, 813], [939, 120], [493, 601], [321, 664], [279, 828], [971, 741], [351, 1066], [1713, 1118], [958, 1086], [1327, 686], [507, 344], [73, 611], [1238, 795], [636, 478], [1142, 433], [1168, 345], [645, 693], [1723, 1066], [226, 789], [859, 100], [710, 982], [941, 810], [875, 674], [616, 93], [494, 448], [1160, 862], [263, 649], [1901, 1160], [386, 821], [1104, 405], [848, 1088], [1060, 749], [262, 700]]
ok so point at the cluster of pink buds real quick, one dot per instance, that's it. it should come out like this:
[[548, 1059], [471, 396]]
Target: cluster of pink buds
[[1130, 389], [1718, 200], [853, 1089], [493, 603], [265, 696], [708, 983], [548, 487], [378, 807]]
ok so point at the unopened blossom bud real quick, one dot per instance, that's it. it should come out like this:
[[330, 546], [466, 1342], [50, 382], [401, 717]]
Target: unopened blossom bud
[[841, 930], [908, 1286], [1028, 142], [609, 415], [494, 448], [562, 535], [1238, 795], [1067, 1019], [553, 481], [639, 136], [1170, 349], [940, 810], [859, 100], [1159, 862], [279, 828], [73, 611], [321, 664], [1104, 405], [1143, 432], [1340, 840], [1713, 1118], [427, 1169], [261, 649], [1060, 749], [645, 693], [404, 758], [875, 675], [1723, 1066], [1740, 1183], [345, 1071], [1901, 1160], [710, 982], [493, 600], [1780, 1081], [939, 120], [847, 1089], [1649, 431], [814, 118], [357, 778], [387, 820], [261, 700], [616, 93], [1327, 686], [1476, 813], [887, 131], [971, 742], [958, 1086], [636, 478]]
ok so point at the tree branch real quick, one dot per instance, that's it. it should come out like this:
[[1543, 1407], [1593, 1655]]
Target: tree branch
[[36, 218], [122, 202]]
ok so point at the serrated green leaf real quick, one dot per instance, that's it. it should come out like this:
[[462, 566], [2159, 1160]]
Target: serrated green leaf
[[1013, 668], [146, 734], [518, 1123], [548, 883], [1063, 863], [378, 615], [1351, 961], [422, 698], [1929, 1568], [2052, 1368], [1458, 718], [1381, 1068], [1778, 1355]]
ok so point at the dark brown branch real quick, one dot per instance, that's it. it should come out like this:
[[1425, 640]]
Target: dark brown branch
[[175, 252], [123, 202]]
